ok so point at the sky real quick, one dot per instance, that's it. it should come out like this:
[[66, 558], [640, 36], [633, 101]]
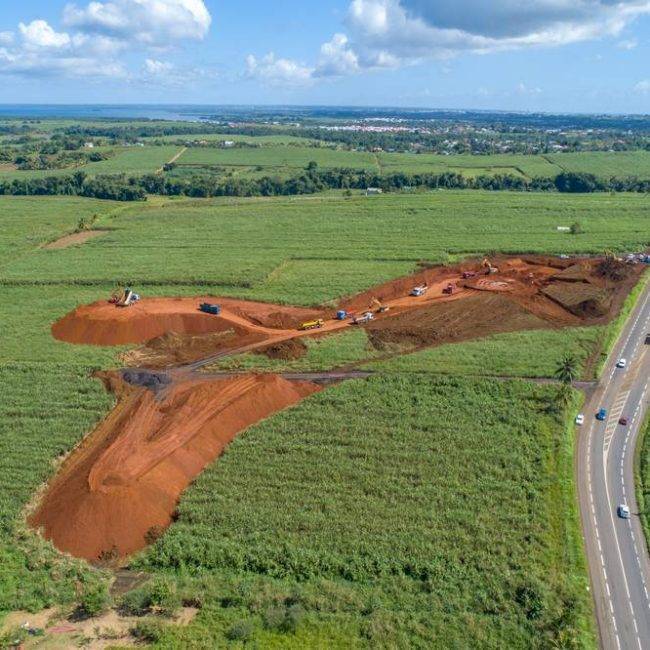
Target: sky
[[532, 55]]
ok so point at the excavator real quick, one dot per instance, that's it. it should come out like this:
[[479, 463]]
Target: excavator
[[124, 298], [486, 264], [377, 306]]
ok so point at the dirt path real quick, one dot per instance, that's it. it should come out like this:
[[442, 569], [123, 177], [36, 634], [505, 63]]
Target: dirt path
[[172, 160]]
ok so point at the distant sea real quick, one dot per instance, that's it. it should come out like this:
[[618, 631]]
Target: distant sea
[[123, 111]]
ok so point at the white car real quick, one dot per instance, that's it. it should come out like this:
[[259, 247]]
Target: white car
[[621, 363], [580, 419], [623, 511]]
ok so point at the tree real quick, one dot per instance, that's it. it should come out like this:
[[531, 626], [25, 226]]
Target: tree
[[576, 228], [567, 369]]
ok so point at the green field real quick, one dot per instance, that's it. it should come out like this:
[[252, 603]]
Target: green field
[[604, 164], [311, 249], [421, 530], [643, 478], [127, 160], [378, 513]]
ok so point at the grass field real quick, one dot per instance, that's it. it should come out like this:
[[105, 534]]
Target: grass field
[[127, 160], [604, 164], [530, 354], [334, 524], [387, 525], [310, 249]]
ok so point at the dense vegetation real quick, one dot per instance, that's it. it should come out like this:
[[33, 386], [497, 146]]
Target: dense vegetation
[[643, 479], [423, 531]]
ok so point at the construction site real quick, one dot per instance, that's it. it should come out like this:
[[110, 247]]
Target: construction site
[[118, 490]]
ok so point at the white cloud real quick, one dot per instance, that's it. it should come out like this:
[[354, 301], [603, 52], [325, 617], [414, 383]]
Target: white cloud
[[643, 87], [524, 89], [416, 29], [627, 44], [99, 33], [337, 58], [150, 22], [277, 71], [39, 34]]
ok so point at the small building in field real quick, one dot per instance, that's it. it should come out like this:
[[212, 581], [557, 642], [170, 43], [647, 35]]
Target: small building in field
[[374, 191]]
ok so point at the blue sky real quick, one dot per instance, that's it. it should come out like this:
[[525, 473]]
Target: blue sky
[[551, 55]]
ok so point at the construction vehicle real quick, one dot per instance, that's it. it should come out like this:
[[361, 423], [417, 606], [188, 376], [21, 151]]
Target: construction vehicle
[[126, 299], [467, 275], [378, 307], [208, 308], [449, 289], [486, 264], [366, 317], [341, 314], [420, 290], [317, 323]]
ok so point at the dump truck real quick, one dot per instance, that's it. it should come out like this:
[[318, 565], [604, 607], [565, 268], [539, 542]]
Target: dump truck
[[366, 317], [419, 290], [209, 308], [311, 324], [467, 275], [449, 289]]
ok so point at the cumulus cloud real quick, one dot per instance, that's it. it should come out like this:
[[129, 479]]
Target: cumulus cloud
[[442, 28], [97, 34], [152, 22], [275, 71], [39, 34]]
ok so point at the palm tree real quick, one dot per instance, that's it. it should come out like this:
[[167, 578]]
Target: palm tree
[[567, 369]]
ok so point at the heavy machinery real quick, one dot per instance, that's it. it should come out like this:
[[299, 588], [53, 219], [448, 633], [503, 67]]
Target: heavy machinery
[[449, 289], [124, 299], [317, 323], [468, 275], [420, 290], [366, 317], [486, 264], [377, 306], [208, 308], [341, 314]]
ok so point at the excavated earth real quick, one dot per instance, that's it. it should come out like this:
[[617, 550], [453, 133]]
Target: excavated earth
[[118, 490]]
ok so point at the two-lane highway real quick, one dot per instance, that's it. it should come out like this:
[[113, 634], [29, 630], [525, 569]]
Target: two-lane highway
[[618, 559]]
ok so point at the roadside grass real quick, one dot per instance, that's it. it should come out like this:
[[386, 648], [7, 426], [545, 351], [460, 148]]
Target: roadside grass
[[613, 330], [45, 409], [642, 478], [381, 504], [532, 353]]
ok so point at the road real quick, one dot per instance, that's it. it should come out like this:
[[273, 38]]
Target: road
[[619, 564]]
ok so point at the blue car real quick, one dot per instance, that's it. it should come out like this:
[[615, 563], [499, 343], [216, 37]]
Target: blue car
[[602, 414]]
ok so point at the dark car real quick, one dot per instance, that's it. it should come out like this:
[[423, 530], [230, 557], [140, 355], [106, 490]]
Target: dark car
[[623, 421]]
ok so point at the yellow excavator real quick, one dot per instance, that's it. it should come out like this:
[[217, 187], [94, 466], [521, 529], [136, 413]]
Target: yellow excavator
[[377, 306], [486, 264]]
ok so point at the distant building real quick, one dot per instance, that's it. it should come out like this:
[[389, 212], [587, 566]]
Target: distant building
[[373, 191], [228, 144], [89, 145]]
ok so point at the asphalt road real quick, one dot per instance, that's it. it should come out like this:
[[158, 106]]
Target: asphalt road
[[619, 564]]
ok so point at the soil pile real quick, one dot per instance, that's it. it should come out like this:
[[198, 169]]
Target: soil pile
[[285, 350], [475, 316], [173, 349], [120, 487]]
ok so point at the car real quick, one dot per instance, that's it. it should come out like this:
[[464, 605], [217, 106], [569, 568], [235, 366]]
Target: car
[[623, 511], [602, 414], [621, 363], [647, 339], [623, 421], [580, 419]]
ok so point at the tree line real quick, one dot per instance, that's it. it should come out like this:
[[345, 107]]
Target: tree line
[[309, 181]]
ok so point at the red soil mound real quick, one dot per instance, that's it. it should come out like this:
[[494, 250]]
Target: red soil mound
[[122, 484]]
